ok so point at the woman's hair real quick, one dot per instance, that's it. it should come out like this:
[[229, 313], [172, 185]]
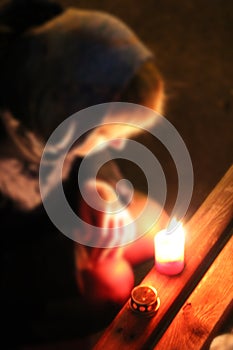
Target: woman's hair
[[16, 17], [145, 87]]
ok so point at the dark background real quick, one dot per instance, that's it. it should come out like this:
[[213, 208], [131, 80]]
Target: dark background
[[192, 41]]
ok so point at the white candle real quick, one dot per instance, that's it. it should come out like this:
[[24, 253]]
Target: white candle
[[169, 249]]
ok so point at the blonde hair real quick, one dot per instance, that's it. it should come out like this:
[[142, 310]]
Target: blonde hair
[[145, 88]]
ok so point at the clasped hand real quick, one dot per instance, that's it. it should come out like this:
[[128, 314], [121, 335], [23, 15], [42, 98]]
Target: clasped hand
[[100, 263]]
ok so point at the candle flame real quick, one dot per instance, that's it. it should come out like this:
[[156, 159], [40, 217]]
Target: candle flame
[[173, 225]]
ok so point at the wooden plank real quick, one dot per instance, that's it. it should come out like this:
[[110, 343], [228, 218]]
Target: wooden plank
[[199, 319], [206, 235]]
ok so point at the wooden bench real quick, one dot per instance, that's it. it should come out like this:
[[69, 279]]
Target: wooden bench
[[195, 303]]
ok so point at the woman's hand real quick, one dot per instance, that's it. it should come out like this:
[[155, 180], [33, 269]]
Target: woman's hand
[[103, 274], [107, 225]]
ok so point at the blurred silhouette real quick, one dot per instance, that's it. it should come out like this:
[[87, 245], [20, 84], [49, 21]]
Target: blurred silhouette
[[55, 62]]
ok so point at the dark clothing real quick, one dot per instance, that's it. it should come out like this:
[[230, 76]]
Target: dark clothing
[[49, 71], [40, 299]]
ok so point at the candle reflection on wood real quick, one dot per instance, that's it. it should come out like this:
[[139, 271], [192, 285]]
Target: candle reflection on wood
[[169, 249]]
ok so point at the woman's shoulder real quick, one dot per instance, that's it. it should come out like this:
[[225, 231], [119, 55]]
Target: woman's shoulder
[[17, 185]]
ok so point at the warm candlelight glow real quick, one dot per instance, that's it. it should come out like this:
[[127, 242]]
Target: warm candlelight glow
[[169, 249]]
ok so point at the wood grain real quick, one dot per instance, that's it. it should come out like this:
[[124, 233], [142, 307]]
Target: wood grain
[[206, 234], [202, 314]]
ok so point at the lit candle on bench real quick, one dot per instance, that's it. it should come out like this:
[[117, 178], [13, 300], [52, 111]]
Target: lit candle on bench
[[169, 249]]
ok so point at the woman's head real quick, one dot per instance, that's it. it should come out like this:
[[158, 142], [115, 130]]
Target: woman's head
[[145, 88], [73, 61]]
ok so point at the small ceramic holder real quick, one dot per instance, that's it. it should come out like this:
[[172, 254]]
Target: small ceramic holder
[[144, 300]]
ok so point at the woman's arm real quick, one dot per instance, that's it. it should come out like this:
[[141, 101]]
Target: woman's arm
[[105, 274]]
